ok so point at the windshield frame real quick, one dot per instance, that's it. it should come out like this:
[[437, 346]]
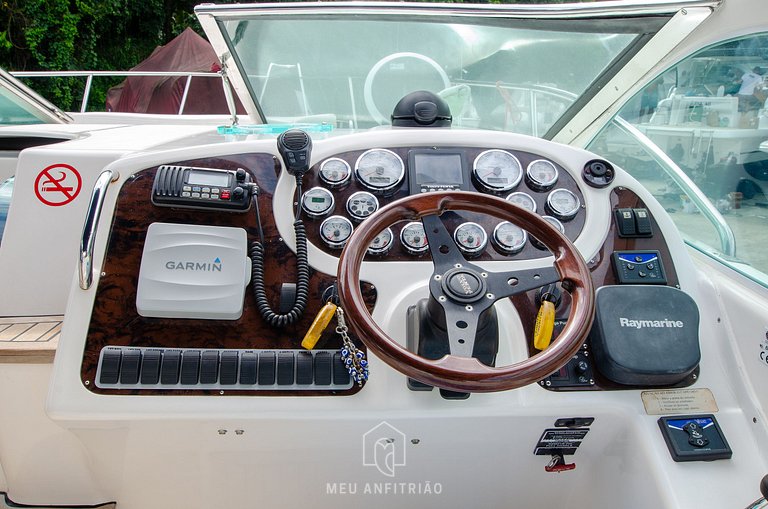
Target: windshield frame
[[643, 20]]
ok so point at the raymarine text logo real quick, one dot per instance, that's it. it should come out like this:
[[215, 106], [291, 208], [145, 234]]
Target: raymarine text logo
[[650, 324], [214, 266], [384, 448]]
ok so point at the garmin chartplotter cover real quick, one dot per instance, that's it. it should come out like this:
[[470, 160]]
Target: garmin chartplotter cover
[[645, 335], [193, 271]]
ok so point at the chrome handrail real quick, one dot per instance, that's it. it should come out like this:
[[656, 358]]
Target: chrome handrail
[[88, 240], [88, 75], [698, 198]]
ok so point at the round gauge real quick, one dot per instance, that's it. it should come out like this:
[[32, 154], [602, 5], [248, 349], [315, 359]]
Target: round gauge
[[362, 204], [554, 222], [509, 238], [471, 238], [563, 204], [541, 175], [317, 202], [382, 243], [335, 231], [335, 172], [379, 170], [497, 171], [414, 238], [522, 200]]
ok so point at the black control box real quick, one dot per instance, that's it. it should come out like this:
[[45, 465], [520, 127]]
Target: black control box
[[638, 268], [694, 438], [208, 188]]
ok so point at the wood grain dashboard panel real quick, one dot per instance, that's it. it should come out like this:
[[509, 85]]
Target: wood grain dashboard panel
[[115, 321]]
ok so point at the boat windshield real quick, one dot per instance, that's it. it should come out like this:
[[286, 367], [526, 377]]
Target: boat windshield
[[351, 69]]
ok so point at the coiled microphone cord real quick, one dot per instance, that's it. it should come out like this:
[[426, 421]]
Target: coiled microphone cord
[[302, 269]]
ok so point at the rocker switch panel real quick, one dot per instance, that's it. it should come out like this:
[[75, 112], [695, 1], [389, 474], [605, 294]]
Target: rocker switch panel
[[694, 438]]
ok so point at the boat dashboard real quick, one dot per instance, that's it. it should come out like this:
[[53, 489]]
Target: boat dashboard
[[174, 311]]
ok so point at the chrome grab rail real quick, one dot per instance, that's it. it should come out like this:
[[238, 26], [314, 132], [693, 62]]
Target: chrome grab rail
[[723, 229], [88, 75], [85, 269]]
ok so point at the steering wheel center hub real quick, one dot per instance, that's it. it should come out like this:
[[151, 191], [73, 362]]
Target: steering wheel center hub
[[463, 285]]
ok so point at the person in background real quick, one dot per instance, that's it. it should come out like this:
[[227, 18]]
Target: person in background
[[749, 81]]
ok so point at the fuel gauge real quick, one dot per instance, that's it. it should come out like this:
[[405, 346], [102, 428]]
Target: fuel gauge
[[335, 172], [470, 238], [414, 238], [563, 204], [382, 243], [541, 175], [335, 231], [509, 238]]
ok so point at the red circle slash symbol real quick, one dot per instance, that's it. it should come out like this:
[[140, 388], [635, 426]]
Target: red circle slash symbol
[[58, 185]]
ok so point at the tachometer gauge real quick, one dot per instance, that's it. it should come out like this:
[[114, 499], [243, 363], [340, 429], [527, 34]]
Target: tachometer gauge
[[470, 238], [497, 171], [414, 238], [522, 200], [335, 231], [554, 222], [379, 170], [563, 204], [362, 204], [335, 172], [541, 175], [509, 238], [382, 243], [317, 202]]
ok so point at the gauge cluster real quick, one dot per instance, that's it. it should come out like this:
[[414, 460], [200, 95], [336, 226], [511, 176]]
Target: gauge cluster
[[344, 190]]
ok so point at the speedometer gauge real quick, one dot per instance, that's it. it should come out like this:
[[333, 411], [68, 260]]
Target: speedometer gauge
[[522, 200], [335, 231], [541, 175], [335, 172], [497, 171], [414, 238], [470, 238], [382, 243], [379, 170], [509, 238], [563, 204]]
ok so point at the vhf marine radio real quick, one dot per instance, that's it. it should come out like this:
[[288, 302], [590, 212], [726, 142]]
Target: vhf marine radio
[[208, 188]]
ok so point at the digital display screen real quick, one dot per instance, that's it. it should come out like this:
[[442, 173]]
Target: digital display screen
[[442, 169], [318, 200], [208, 178]]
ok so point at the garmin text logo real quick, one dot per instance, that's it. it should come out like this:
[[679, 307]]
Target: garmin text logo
[[215, 266], [650, 324]]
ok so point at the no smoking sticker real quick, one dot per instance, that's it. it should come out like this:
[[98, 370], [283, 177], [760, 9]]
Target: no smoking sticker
[[58, 185]]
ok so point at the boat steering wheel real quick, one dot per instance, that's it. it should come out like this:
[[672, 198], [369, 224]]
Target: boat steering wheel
[[465, 290]]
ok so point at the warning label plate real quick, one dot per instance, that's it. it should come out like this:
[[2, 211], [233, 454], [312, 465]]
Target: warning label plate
[[559, 441], [679, 401]]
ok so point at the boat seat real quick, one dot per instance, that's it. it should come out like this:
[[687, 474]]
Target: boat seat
[[29, 339]]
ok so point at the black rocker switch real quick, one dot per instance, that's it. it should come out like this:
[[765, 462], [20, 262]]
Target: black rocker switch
[[625, 222], [642, 223], [696, 435]]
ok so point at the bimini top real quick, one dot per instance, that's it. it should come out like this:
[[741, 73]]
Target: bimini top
[[527, 69]]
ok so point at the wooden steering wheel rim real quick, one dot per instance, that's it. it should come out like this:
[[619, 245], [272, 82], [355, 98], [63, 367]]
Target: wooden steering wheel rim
[[462, 373]]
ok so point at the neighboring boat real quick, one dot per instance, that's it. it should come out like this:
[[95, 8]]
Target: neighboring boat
[[349, 296]]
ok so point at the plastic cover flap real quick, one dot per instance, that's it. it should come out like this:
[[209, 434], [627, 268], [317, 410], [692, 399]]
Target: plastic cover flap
[[645, 335], [193, 271]]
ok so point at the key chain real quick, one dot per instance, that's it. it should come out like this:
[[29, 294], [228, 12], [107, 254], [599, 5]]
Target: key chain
[[352, 357]]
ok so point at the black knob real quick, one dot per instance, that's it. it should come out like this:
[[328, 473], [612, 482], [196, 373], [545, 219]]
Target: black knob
[[764, 487], [240, 175], [582, 367], [238, 193]]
